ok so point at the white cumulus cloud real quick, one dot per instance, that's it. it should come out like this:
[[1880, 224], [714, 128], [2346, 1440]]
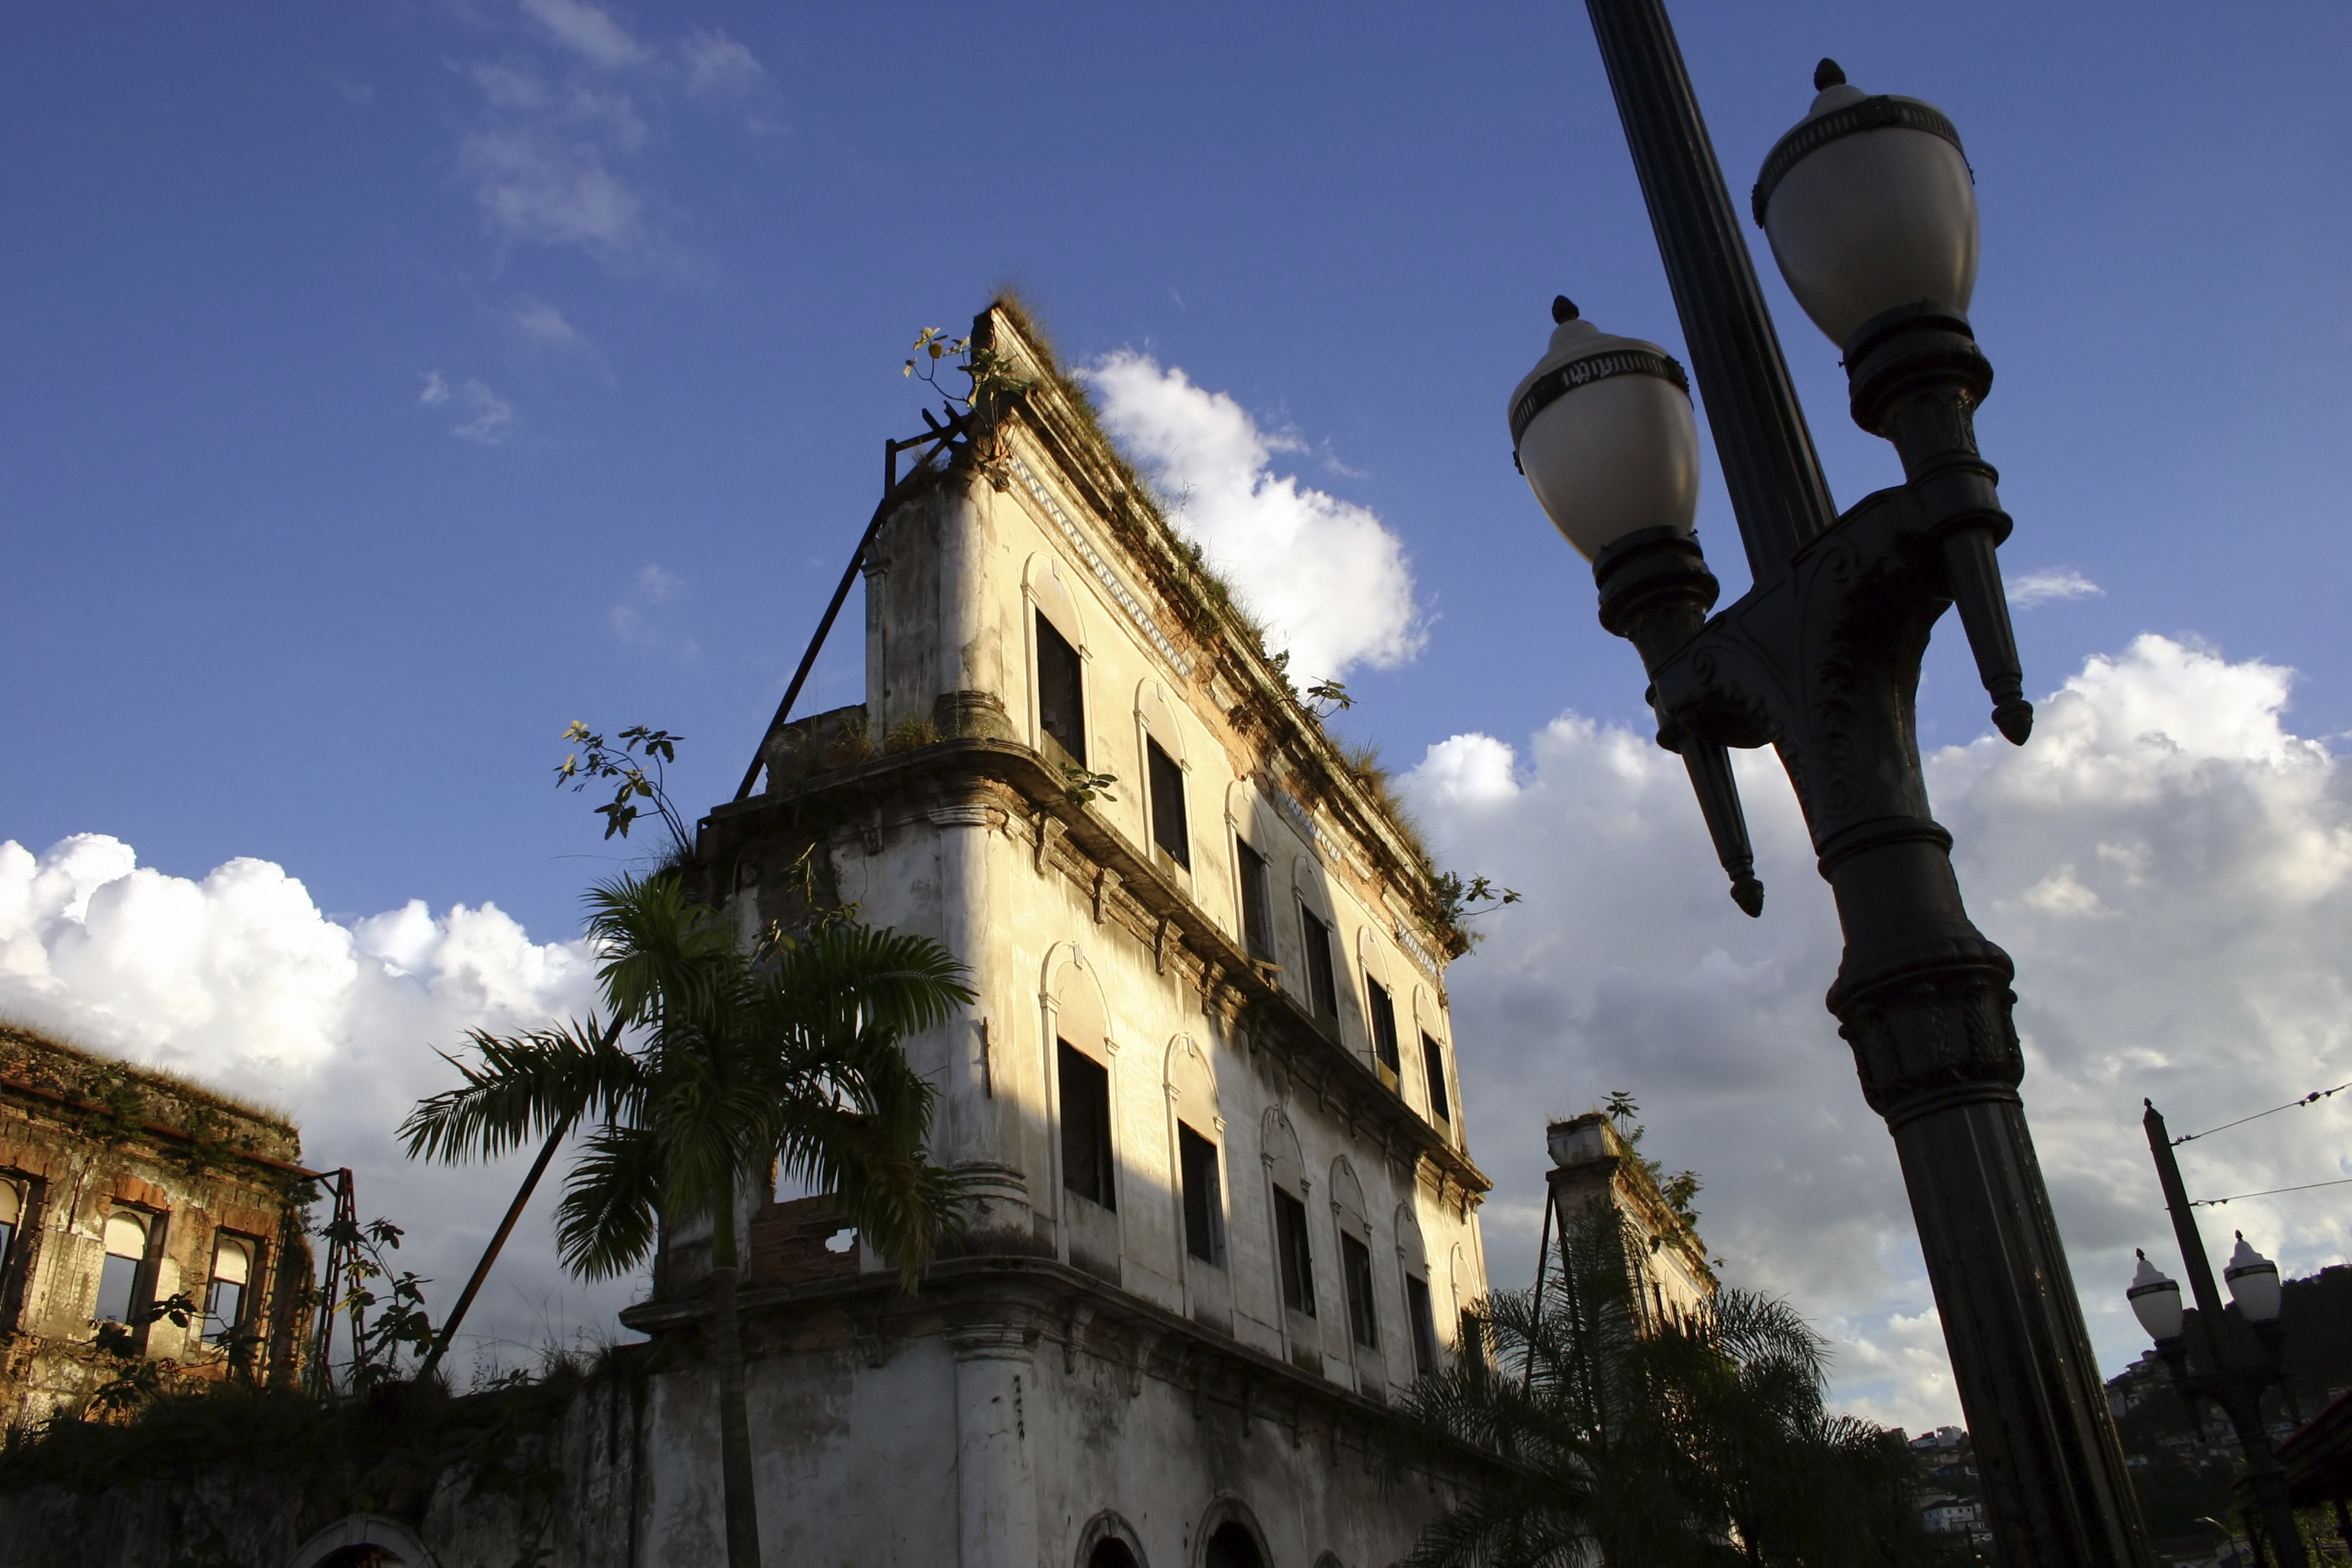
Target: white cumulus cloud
[[588, 31], [2171, 866], [238, 980], [1328, 579]]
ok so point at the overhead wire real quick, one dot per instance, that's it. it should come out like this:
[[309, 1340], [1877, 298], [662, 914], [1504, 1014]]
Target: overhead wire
[[2268, 1191], [2313, 1098]]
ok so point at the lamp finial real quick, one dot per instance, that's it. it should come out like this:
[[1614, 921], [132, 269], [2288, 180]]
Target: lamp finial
[[1827, 75], [1564, 309]]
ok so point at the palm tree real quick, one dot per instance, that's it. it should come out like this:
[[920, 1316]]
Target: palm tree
[[734, 1063], [1697, 1440]]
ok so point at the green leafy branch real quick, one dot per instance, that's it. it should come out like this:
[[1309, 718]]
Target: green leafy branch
[[1680, 1189], [637, 769], [1083, 786]]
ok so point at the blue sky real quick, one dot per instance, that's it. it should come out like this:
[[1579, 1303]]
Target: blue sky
[[383, 386]]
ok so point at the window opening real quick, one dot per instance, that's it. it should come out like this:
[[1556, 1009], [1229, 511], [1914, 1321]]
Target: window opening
[[1061, 694], [1233, 1547], [118, 1277], [1258, 907], [1085, 1126], [1298, 1255], [12, 1214], [1432, 1062], [1168, 803], [1322, 986], [1356, 1266], [1424, 1325], [1111, 1554], [1384, 1029], [1204, 1205], [225, 1295]]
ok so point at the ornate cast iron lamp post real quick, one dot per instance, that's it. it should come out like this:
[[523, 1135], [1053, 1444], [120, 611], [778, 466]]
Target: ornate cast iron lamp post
[[1870, 209], [2231, 1372]]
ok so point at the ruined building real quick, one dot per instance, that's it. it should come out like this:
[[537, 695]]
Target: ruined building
[[1594, 1166], [121, 1190], [1206, 1096]]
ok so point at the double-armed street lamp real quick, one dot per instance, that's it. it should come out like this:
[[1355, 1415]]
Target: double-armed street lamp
[[2229, 1372], [1871, 212]]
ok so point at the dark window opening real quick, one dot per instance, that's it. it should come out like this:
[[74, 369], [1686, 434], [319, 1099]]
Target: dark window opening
[[1111, 1554], [1356, 1266], [1298, 1257], [1384, 1029], [1432, 1061], [1061, 695], [1085, 1126], [1424, 1325], [1205, 1206], [1168, 805], [1257, 906], [1322, 986], [1233, 1547]]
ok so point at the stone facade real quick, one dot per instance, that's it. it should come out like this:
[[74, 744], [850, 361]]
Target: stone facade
[[120, 1189], [1205, 1097], [1593, 1165]]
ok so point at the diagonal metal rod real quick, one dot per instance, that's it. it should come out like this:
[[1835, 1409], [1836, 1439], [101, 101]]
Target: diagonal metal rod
[[491, 1253], [891, 490]]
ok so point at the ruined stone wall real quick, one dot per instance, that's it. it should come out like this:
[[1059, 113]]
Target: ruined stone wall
[[88, 1142]]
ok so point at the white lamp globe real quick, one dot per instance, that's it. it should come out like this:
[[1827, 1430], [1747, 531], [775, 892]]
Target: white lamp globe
[[1870, 206], [2155, 1301], [2254, 1283], [1602, 428]]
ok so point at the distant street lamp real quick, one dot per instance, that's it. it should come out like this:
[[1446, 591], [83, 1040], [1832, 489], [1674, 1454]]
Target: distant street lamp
[[2231, 1372], [1872, 215]]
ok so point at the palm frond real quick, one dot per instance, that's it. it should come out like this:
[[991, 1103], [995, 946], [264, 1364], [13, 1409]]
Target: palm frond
[[520, 1088], [606, 1225]]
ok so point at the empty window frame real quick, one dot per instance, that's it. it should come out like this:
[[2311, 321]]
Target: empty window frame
[[1356, 1272], [1167, 781], [1297, 1256], [1384, 1029], [1424, 1325], [12, 1219], [126, 1258], [1322, 985], [225, 1293], [1432, 1062], [1061, 692], [1205, 1206], [1085, 1126], [1257, 902]]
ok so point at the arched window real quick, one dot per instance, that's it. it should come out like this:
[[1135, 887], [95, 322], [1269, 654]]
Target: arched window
[[224, 1294], [1355, 1256], [1059, 637], [118, 1277], [1231, 1545], [1112, 1552], [1200, 1180], [1294, 1250]]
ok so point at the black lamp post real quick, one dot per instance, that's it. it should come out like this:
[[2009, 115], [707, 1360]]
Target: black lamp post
[[1871, 216], [2231, 1372]]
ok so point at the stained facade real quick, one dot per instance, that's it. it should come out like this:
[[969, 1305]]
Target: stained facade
[[1207, 1096], [122, 1191]]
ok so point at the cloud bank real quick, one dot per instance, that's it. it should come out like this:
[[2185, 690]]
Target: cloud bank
[[238, 980], [2171, 869], [1330, 581]]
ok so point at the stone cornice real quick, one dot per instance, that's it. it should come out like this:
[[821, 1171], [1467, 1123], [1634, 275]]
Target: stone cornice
[[1140, 901]]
